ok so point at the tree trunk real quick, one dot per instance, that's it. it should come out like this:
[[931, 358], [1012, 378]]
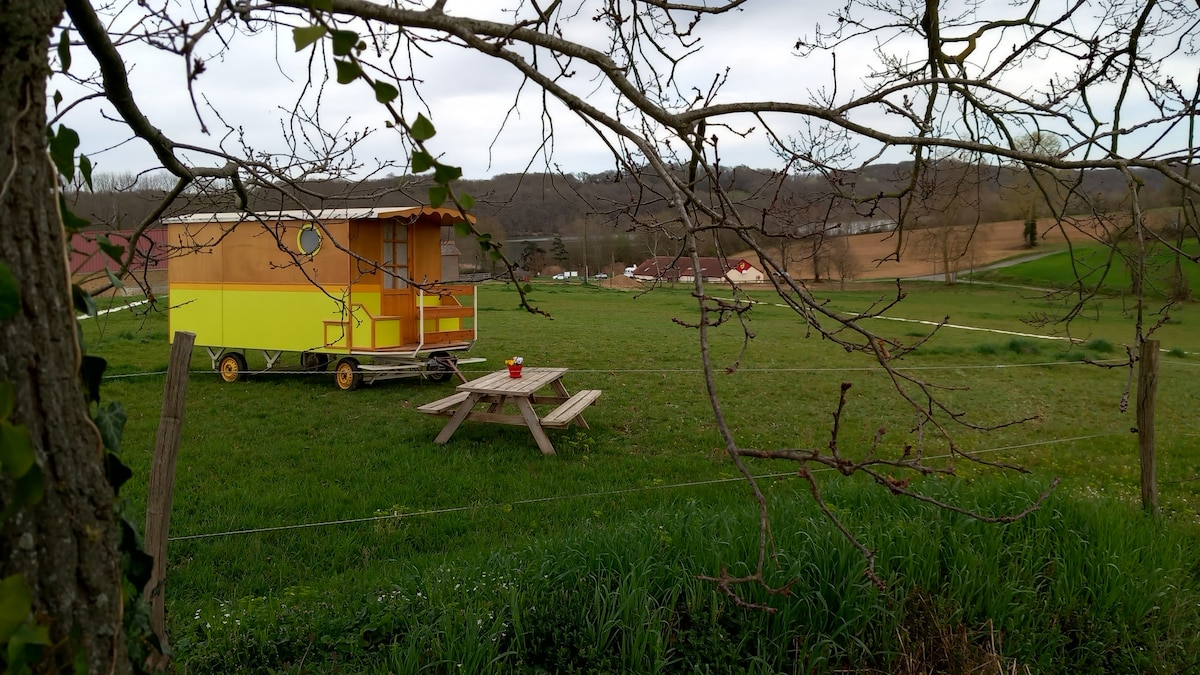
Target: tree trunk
[[1147, 393], [947, 272], [65, 545]]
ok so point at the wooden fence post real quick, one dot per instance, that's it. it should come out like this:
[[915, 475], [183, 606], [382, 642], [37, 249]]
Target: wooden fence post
[[1146, 392], [162, 486]]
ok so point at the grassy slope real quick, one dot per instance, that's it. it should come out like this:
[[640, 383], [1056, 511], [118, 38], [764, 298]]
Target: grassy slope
[[1097, 266], [286, 449]]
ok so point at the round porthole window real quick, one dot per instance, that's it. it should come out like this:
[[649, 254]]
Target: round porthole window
[[309, 239]]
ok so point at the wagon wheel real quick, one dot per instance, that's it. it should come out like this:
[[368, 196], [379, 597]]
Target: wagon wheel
[[439, 367], [315, 361], [232, 367], [347, 374]]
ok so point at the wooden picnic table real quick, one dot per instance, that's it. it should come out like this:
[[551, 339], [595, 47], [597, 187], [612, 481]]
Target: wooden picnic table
[[498, 389]]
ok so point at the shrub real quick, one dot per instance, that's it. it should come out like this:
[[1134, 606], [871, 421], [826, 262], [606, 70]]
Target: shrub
[[1024, 347]]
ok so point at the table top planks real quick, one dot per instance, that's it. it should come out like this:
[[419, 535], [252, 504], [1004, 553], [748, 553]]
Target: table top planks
[[500, 384]]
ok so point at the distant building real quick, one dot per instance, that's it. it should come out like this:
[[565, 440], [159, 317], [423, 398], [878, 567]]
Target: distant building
[[667, 268], [86, 256]]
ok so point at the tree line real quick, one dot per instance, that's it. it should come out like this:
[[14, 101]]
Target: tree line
[[585, 220]]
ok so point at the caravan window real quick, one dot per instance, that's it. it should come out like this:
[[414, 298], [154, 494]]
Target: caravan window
[[309, 239], [395, 256]]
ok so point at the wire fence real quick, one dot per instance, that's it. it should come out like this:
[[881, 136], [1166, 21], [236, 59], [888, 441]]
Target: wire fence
[[287, 371], [290, 371], [603, 493]]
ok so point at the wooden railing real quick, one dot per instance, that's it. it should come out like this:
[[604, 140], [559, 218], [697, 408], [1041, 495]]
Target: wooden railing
[[457, 303]]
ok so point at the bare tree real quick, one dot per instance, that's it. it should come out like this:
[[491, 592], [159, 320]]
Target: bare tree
[[1038, 184], [844, 262], [942, 78]]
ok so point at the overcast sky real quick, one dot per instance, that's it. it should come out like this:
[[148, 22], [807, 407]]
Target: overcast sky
[[483, 125]]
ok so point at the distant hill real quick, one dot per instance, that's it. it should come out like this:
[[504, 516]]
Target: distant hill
[[516, 205]]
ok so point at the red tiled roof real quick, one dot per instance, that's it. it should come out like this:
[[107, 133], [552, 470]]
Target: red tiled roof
[[671, 268]]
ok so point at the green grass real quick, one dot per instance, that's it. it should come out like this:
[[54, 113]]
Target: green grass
[[1098, 267], [1074, 588], [289, 449]]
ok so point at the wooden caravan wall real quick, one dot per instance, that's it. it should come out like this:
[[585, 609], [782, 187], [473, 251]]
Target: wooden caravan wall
[[427, 250], [248, 286], [386, 319]]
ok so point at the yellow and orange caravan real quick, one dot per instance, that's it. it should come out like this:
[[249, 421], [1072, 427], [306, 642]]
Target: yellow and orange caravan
[[363, 286]]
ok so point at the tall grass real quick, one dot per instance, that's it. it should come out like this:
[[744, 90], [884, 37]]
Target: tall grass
[[1074, 588]]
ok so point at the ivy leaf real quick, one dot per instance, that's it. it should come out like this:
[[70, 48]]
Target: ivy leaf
[[527, 289], [444, 173], [110, 249], [85, 170], [421, 162], [72, 222], [437, 195], [8, 400], [494, 254], [304, 36], [462, 228], [16, 450], [385, 92], [344, 42], [62, 151], [84, 303], [19, 656], [112, 279], [91, 371], [10, 293], [422, 129], [28, 489], [110, 420], [347, 71], [64, 50], [137, 563], [15, 605], [29, 634], [115, 471], [58, 99], [32, 634], [466, 201]]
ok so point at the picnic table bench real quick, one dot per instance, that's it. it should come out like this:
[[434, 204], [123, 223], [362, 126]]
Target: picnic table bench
[[499, 389]]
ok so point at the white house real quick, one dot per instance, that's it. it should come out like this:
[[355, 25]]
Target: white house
[[667, 268]]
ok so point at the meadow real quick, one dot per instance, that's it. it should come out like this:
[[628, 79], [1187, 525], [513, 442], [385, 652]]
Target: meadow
[[1100, 268], [316, 530]]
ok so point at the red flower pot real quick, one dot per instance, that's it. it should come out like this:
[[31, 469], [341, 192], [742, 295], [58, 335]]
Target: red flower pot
[[514, 370]]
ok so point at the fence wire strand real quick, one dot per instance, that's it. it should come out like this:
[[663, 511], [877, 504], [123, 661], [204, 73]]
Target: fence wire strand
[[716, 481], [585, 495], [860, 369]]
